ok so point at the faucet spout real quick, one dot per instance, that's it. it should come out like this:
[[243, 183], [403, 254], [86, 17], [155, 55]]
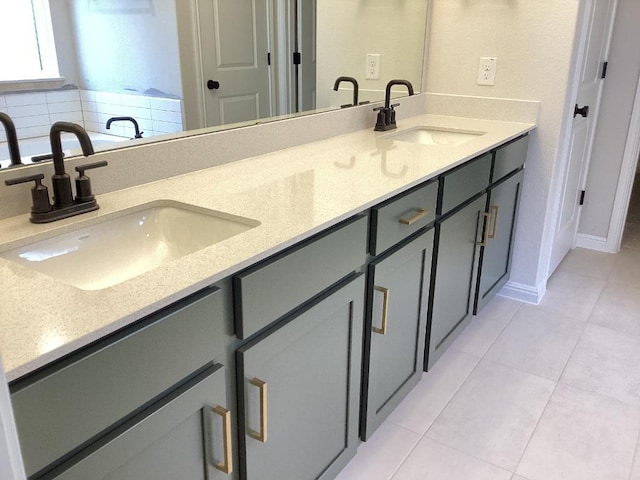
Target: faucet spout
[[355, 87], [126, 119], [12, 139], [387, 97], [61, 181]]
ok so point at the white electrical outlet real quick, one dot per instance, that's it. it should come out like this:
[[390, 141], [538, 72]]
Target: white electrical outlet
[[487, 71], [373, 66]]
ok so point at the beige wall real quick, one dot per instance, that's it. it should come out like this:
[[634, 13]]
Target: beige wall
[[534, 45], [349, 29]]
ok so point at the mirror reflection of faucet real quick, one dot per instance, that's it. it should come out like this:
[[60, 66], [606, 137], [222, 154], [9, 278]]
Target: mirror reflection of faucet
[[12, 139], [382, 151], [64, 204], [126, 119], [351, 164], [353, 81], [387, 115]]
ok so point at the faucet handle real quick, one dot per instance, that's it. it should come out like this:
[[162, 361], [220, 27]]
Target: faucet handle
[[381, 120], [83, 183], [39, 193]]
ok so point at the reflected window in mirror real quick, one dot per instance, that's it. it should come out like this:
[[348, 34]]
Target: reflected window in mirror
[[26, 33]]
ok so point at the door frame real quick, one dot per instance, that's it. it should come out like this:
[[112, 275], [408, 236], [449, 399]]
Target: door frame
[[567, 126], [626, 178]]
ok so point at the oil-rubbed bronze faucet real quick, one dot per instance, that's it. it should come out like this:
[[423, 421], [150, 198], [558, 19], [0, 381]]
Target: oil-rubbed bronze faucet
[[64, 204], [355, 89], [12, 139], [138, 133], [387, 114]]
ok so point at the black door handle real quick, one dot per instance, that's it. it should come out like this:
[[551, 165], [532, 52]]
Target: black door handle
[[213, 85], [584, 111]]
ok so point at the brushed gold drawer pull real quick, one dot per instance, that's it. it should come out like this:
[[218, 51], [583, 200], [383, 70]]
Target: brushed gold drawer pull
[[261, 435], [485, 229], [227, 465], [495, 213], [421, 213], [385, 310]]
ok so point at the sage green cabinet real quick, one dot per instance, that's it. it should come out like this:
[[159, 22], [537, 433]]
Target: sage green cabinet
[[495, 257], [78, 410], [501, 213], [398, 294], [185, 435], [298, 390], [458, 238]]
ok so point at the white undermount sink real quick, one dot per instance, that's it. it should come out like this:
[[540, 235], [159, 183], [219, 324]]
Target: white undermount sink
[[128, 244], [435, 136]]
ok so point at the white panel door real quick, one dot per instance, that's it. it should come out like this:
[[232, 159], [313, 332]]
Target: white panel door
[[234, 43], [598, 26]]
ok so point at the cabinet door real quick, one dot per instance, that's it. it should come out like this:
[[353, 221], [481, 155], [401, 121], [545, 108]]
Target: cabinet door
[[396, 327], [455, 274], [496, 255], [299, 391], [186, 436]]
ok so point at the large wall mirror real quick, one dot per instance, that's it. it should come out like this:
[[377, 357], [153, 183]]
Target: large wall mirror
[[189, 65]]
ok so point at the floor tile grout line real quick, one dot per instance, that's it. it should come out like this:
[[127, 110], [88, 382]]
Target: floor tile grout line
[[544, 410], [408, 454], [634, 457], [483, 460]]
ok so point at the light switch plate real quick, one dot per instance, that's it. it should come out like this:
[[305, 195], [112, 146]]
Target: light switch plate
[[373, 66], [487, 70]]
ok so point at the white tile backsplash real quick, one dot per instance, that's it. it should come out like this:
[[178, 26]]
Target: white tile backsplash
[[65, 107], [32, 112], [32, 121], [109, 98], [21, 99], [28, 110], [167, 127], [138, 101], [169, 104], [73, 117], [63, 96]]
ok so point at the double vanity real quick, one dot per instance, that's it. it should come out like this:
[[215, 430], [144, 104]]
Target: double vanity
[[258, 319]]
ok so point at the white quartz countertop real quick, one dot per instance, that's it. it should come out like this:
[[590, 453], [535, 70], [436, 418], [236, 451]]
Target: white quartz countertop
[[293, 193]]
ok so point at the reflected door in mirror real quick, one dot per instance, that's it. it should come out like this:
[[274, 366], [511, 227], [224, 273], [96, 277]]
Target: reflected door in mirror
[[234, 44]]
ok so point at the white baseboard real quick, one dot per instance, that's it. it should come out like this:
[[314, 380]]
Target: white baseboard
[[522, 293], [592, 242]]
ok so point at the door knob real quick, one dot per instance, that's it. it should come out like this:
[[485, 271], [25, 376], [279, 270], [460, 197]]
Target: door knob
[[213, 85], [584, 111]]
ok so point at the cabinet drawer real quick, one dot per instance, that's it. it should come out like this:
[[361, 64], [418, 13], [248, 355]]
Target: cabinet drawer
[[266, 292], [466, 181], [509, 158], [401, 216], [86, 395]]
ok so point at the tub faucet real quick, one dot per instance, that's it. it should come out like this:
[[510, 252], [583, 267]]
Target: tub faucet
[[355, 89], [12, 139], [126, 119], [64, 205], [387, 114]]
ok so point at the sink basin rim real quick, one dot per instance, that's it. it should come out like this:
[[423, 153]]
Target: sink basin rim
[[404, 135], [102, 252]]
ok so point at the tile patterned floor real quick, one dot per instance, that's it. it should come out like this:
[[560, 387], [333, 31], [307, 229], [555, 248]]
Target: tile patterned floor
[[527, 392]]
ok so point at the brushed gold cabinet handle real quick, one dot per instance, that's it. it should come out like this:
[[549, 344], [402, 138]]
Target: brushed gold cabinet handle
[[385, 310], [421, 213], [495, 213], [261, 435], [485, 229], [227, 465]]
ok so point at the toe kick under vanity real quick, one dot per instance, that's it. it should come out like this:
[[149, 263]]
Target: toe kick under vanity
[[279, 362]]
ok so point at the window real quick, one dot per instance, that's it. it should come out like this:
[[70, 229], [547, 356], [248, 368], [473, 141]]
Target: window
[[28, 51]]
